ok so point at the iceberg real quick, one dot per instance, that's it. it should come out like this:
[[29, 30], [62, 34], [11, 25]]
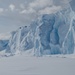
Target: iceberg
[[48, 34]]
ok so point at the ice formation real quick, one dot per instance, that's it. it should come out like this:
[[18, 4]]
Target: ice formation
[[49, 34]]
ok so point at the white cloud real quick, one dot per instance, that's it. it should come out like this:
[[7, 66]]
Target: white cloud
[[48, 6], [61, 3], [38, 7], [12, 7], [1, 10], [22, 6], [23, 11], [5, 36], [27, 11], [49, 10], [37, 4]]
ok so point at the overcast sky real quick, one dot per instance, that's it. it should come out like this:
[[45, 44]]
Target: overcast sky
[[15, 13]]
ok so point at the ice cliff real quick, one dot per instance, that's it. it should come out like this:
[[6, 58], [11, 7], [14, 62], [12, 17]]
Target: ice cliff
[[49, 34]]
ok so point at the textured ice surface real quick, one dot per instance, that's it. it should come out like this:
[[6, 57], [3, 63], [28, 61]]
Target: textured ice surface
[[3, 44], [56, 33], [49, 34]]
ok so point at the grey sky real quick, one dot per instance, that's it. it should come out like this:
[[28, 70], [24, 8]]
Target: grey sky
[[15, 13]]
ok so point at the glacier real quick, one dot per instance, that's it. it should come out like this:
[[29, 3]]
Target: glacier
[[48, 34]]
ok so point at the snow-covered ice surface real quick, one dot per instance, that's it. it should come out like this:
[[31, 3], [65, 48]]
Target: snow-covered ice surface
[[30, 65]]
